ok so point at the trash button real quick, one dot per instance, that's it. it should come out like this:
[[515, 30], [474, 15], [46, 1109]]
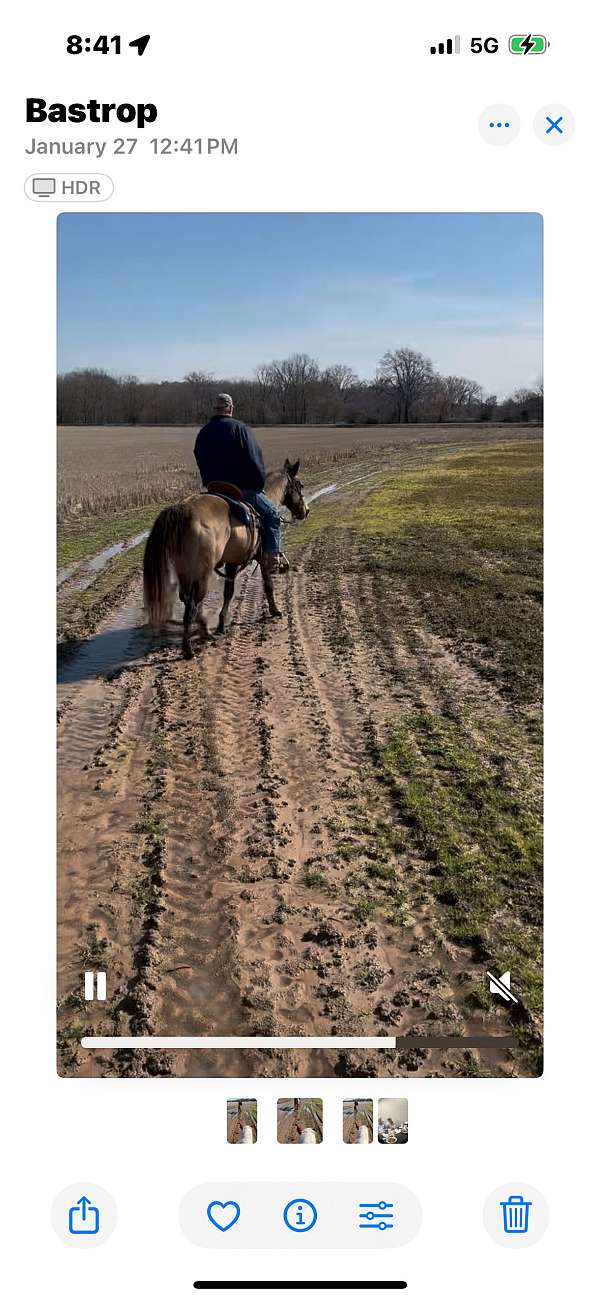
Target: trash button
[[516, 1215]]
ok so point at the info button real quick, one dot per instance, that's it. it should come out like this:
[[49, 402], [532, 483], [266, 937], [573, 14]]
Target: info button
[[69, 187]]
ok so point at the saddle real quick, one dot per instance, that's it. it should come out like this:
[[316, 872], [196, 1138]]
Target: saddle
[[240, 510]]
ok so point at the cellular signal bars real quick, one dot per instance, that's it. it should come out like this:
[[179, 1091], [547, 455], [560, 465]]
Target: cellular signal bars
[[451, 46]]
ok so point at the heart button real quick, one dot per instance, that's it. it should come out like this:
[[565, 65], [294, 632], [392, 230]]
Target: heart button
[[223, 1214]]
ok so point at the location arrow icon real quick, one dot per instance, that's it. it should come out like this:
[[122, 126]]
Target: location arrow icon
[[140, 44]]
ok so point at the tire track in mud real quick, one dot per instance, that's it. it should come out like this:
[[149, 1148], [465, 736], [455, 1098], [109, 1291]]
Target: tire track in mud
[[102, 875], [355, 662], [218, 794], [369, 957], [125, 777]]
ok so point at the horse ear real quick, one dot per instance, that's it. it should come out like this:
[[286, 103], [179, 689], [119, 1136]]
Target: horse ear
[[292, 469]]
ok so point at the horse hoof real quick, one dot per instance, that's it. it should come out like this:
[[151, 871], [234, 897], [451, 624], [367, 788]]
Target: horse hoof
[[276, 614], [187, 652]]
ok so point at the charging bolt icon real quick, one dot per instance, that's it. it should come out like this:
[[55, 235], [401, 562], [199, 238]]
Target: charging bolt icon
[[528, 44]]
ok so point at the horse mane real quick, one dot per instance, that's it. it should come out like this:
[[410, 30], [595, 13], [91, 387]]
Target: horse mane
[[275, 483]]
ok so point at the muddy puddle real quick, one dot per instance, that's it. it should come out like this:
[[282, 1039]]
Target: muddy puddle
[[88, 570], [124, 640]]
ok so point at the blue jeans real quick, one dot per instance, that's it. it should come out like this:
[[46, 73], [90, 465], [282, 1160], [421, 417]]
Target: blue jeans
[[269, 518]]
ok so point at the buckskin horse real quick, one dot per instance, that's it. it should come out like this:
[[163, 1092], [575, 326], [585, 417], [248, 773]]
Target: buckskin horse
[[203, 533]]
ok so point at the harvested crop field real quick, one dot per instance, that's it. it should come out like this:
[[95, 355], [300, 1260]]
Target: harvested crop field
[[328, 824], [120, 469]]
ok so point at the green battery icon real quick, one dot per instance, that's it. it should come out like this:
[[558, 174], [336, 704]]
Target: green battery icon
[[527, 44]]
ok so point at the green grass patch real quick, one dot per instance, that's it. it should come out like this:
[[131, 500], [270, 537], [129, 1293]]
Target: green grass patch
[[491, 497], [161, 756], [364, 909], [313, 879], [91, 535], [462, 536], [149, 824], [380, 871], [93, 949], [474, 815]]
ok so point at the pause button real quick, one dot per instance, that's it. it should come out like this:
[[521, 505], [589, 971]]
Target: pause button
[[94, 986]]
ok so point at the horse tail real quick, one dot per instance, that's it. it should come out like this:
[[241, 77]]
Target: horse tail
[[163, 542]]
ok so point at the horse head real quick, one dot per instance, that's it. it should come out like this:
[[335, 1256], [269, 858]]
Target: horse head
[[293, 496]]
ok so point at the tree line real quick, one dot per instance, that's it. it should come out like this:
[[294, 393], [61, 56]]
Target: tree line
[[295, 391]]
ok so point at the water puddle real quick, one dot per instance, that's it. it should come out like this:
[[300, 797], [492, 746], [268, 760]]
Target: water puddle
[[321, 492], [125, 640], [64, 574], [89, 569], [122, 641]]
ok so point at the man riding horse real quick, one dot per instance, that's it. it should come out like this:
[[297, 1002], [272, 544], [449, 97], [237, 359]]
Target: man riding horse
[[227, 452], [204, 533]]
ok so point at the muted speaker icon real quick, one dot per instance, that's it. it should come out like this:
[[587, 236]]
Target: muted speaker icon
[[500, 985]]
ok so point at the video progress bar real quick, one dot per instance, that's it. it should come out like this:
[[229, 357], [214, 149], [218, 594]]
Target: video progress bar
[[287, 1285], [233, 1041], [298, 1041]]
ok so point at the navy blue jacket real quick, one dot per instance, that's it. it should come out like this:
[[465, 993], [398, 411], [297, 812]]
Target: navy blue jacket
[[226, 449]]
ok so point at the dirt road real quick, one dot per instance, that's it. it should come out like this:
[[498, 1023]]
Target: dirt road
[[230, 851]]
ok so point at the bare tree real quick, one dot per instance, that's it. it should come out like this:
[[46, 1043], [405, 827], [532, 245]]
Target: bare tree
[[263, 377], [405, 375], [460, 393], [528, 403], [342, 378], [201, 387], [293, 391], [291, 380], [132, 398]]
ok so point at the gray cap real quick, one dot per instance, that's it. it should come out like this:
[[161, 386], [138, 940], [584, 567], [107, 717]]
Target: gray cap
[[224, 400]]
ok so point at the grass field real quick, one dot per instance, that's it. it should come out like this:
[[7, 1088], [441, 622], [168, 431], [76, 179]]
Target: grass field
[[377, 819]]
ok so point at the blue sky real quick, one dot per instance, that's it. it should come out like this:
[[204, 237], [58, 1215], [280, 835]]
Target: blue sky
[[159, 294]]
